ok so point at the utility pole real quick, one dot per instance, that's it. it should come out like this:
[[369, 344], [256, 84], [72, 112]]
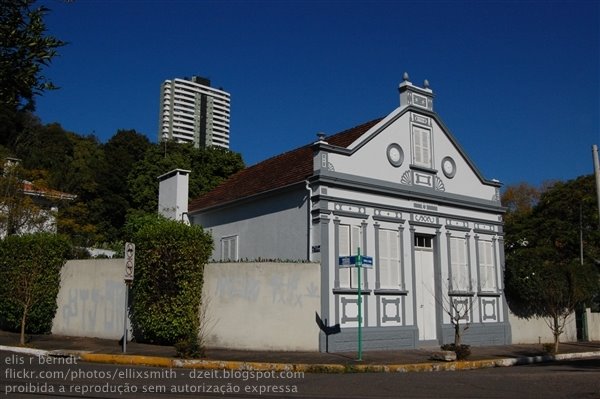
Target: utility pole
[[597, 173]]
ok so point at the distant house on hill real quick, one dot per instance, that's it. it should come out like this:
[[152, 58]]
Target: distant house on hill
[[403, 191], [25, 207]]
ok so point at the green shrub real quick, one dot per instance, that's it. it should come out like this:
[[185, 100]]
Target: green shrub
[[167, 287], [189, 348], [30, 268]]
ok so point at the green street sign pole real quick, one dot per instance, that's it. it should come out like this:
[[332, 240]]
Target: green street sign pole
[[358, 265]]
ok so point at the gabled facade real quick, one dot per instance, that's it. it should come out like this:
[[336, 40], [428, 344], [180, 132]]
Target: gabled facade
[[402, 190]]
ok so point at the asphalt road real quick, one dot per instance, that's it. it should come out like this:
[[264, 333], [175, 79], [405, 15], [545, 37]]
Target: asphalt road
[[25, 376]]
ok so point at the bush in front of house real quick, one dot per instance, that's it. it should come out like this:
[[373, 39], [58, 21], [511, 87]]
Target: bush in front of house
[[168, 278], [30, 268]]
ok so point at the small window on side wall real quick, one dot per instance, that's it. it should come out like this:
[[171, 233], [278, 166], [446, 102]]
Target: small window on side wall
[[229, 248]]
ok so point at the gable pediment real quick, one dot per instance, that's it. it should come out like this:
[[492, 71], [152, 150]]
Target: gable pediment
[[413, 147]]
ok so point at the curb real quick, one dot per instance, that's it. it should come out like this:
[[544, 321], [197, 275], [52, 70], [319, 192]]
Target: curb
[[158, 361]]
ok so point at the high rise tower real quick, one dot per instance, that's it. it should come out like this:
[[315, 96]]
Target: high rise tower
[[191, 111]]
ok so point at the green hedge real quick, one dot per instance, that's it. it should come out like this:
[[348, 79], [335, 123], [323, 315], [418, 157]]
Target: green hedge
[[30, 268], [167, 288]]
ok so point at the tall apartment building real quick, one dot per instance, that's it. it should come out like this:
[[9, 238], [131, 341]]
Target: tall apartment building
[[191, 111]]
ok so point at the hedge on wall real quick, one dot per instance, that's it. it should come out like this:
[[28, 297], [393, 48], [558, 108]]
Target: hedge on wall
[[167, 288], [30, 268]]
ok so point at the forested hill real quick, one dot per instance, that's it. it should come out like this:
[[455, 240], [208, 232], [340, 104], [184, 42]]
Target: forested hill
[[112, 179]]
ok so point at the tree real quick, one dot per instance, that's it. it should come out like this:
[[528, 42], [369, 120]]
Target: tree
[[167, 289], [519, 200], [546, 274], [25, 49], [540, 284], [209, 167], [19, 213], [121, 153], [30, 271]]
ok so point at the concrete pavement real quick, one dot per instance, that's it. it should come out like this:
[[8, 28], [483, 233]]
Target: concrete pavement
[[109, 351]]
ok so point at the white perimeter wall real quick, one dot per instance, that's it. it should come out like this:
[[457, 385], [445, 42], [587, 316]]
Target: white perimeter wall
[[91, 299], [262, 305], [248, 305], [593, 322], [536, 330]]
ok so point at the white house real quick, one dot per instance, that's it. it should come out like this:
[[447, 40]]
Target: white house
[[402, 190], [31, 208]]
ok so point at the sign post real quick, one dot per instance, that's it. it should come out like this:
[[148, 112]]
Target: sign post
[[129, 268], [359, 261]]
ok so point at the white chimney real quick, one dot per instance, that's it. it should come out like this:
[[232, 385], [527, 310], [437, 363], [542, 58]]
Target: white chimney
[[173, 192]]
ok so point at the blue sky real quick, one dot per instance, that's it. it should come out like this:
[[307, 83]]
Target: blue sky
[[516, 82]]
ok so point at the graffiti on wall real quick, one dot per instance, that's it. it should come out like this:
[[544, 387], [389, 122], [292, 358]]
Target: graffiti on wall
[[94, 309], [287, 289]]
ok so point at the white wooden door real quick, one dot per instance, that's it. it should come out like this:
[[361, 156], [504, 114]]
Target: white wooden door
[[425, 290]]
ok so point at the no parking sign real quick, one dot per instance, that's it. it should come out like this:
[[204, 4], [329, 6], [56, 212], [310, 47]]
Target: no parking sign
[[129, 260]]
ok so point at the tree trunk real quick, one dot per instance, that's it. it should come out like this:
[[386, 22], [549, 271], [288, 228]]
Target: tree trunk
[[23, 321], [457, 334], [556, 333]]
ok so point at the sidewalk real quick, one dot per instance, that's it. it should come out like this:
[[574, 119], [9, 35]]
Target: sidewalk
[[109, 351]]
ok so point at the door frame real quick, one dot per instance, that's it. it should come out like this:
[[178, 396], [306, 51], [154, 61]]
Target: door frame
[[434, 247]]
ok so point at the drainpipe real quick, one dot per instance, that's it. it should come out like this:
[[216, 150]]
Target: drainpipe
[[309, 221]]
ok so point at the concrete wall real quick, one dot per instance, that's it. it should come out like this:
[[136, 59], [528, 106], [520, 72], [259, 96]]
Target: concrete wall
[[248, 305], [536, 330], [593, 322], [91, 299], [262, 305]]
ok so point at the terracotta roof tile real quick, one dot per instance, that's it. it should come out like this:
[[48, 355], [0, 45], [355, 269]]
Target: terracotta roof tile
[[280, 171]]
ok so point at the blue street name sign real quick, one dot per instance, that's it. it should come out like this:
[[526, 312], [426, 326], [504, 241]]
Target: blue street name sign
[[367, 261], [351, 261], [347, 261]]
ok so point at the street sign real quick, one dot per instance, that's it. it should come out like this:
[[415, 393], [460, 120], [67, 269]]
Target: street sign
[[367, 261], [129, 260], [347, 261], [351, 261]]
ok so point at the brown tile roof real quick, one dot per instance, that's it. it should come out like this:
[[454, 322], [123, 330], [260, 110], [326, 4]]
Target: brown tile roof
[[280, 171], [30, 189]]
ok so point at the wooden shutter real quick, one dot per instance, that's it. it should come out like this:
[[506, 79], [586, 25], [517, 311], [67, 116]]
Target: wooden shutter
[[487, 272], [460, 268], [422, 146], [389, 259]]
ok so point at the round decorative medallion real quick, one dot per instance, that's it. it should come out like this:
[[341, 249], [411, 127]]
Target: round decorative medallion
[[449, 167], [395, 154]]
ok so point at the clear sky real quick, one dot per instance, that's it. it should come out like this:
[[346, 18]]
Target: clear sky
[[516, 82]]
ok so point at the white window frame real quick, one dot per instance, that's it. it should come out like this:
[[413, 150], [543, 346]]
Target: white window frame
[[350, 239], [460, 276], [229, 248], [390, 276], [487, 266], [422, 147]]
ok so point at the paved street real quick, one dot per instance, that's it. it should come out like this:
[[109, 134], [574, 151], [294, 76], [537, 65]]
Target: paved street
[[25, 376]]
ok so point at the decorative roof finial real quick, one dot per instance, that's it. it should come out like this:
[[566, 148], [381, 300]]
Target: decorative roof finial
[[405, 77], [321, 136], [426, 84]]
